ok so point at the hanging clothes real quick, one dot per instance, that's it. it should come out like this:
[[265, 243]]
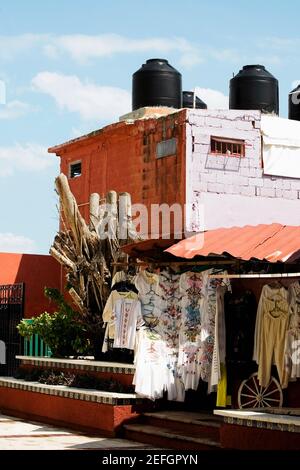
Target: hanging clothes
[[219, 351], [189, 363], [108, 314], [121, 276], [292, 342], [169, 328], [211, 336], [127, 317], [152, 375], [124, 286], [118, 277], [150, 295], [240, 315], [222, 388], [270, 333], [170, 318], [183, 338]]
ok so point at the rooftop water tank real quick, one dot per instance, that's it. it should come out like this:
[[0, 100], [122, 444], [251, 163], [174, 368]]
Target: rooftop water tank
[[188, 101], [294, 104], [156, 83], [254, 88]]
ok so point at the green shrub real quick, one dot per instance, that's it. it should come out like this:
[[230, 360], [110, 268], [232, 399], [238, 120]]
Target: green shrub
[[61, 330]]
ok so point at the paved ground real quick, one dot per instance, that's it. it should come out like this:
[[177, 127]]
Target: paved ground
[[16, 434]]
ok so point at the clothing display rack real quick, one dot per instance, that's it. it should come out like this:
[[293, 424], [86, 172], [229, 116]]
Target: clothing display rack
[[174, 263], [254, 276], [209, 263]]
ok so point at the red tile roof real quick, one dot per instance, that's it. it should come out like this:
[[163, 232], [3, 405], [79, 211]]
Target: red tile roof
[[274, 242]]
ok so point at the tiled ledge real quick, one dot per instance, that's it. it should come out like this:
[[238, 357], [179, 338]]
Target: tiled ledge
[[79, 364], [110, 398], [259, 419]]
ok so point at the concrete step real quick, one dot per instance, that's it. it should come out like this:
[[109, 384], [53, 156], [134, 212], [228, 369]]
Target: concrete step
[[168, 438], [192, 424]]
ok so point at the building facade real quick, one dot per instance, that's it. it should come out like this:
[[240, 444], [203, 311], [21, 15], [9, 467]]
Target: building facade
[[210, 162]]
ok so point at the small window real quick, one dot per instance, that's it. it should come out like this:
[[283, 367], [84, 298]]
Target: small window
[[227, 147], [166, 148], [75, 169]]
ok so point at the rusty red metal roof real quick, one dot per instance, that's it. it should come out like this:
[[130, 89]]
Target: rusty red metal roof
[[149, 247], [273, 242]]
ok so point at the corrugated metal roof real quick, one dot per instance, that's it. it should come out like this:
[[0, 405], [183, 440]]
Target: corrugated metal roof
[[274, 242], [149, 247]]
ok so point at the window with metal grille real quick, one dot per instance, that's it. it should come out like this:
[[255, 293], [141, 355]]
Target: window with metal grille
[[227, 147], [75, 169]]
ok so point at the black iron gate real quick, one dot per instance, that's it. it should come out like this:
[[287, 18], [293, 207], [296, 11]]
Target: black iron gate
[[11, 313]]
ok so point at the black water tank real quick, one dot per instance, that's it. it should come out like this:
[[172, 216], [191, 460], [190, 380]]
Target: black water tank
[[254, 88], [294, 104], [156, 83], [188, 101]]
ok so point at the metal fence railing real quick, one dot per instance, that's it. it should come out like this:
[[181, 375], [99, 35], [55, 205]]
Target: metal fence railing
[[35, 346], [11, 313]]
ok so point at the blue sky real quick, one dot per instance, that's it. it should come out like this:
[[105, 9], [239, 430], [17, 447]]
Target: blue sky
[[67, 68]]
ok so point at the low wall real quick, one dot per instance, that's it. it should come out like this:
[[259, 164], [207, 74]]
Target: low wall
[[98, 412], [254, 429], [122, 373], [251, 438]]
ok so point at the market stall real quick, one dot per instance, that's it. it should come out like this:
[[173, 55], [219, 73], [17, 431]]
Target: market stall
[[227, 323]]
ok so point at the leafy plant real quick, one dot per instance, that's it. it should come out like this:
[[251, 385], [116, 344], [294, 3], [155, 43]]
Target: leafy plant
[[58, 377], [61, 330], [53, 377]]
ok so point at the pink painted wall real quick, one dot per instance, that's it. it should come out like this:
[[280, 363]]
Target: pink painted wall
[[233, 191]]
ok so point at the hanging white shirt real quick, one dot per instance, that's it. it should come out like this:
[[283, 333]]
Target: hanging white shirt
[[127, 317]]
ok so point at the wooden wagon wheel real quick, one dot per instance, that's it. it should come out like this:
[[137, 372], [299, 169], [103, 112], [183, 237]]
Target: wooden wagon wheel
[[253, 395]]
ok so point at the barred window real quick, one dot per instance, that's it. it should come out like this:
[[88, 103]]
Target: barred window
[[227, 147]]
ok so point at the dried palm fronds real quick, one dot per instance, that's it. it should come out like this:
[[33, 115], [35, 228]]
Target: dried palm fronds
[[87, 251]]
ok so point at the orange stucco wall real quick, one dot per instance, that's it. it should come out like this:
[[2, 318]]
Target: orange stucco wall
[[37, 272], [122, 157]]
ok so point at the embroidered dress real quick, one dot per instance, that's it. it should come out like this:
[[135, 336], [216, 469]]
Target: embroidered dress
[[108, 315], [170, 319], [150, 296], [212, 302], [127, 317], [270, 333], [219, 351], [189, 357], [152, 375], [292, 342], [169, 328]]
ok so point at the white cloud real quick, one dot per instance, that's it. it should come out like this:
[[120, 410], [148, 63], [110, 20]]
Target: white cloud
[[213, 98], [2, 92], [92, 102], [277, 42], [83, 47], [189, 59], [14, 109], [225, 55], [10, 46], [11, 243], [24, 157]]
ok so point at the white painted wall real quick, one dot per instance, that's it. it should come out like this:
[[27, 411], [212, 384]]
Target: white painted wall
[[233, 191]]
